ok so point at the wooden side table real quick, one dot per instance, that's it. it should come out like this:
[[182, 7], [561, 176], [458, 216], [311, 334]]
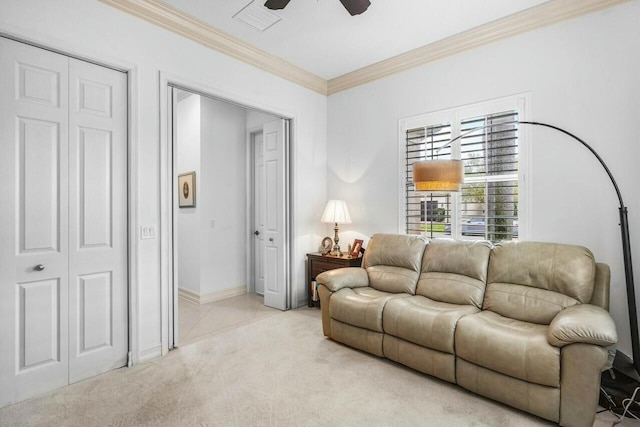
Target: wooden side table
[[317, 263]]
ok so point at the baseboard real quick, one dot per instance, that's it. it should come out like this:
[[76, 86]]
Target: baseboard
[[150, 353], [197, 298]]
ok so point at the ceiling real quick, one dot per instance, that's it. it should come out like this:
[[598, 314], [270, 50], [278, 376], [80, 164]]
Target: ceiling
[[321, 37]]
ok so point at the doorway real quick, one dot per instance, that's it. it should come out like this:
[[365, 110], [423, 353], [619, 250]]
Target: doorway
[[214, 250]]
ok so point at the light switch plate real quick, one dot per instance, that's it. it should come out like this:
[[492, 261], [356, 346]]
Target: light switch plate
[[147, 232]]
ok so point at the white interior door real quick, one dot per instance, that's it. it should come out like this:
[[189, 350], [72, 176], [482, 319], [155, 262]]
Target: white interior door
[[275, 136], [54, 190], [259, 212], [33, 221], [97, 220]]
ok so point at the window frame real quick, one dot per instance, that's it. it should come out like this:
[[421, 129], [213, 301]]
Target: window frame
[[520, 102]]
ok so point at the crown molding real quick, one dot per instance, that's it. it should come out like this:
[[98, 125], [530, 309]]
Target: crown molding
[[169, 18], [542, 15]]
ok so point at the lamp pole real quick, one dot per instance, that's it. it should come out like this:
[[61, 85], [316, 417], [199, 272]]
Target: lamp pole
[[621, 362], [626, 256]]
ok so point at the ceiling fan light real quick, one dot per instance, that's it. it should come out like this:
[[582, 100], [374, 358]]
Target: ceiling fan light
[[356, 7]]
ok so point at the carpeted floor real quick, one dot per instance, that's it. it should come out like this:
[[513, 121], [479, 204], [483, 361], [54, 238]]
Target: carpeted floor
[[276, 371]]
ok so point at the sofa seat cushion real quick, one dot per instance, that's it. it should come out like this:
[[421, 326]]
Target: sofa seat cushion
[[361, 307], [425, 322], [512, 347]]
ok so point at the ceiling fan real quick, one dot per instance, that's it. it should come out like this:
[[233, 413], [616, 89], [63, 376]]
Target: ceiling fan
[[354, 7]]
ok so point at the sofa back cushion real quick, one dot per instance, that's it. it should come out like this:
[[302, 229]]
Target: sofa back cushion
[[455, 271], [533, 281], [393, 262]]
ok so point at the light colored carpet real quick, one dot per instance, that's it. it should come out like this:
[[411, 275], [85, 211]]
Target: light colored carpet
[[276, 371]]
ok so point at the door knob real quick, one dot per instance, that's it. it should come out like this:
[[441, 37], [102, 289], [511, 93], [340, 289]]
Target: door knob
[[257, 233], [39, 267], [271, 239]]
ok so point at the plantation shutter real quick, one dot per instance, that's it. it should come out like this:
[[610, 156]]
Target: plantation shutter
[[488, 203], [426, 212]]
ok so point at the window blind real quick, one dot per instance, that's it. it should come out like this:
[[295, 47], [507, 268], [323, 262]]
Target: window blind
[[488, 203], [426, 213], [489, 200]]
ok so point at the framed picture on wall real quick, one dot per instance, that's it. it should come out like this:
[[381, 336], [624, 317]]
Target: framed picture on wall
[[187, 190]]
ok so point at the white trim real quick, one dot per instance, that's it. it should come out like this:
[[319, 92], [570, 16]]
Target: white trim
[[197, 298], [166, 205], [165, 16], [547, 13], [134, 289], [149, 353]]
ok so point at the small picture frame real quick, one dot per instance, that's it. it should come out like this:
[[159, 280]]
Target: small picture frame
[[326, 246], [187, 190], [355, 248]]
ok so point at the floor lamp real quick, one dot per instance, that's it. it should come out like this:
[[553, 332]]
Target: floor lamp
[[622, 363]]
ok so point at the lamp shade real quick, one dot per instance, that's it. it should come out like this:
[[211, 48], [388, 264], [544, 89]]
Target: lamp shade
[[437, 175], [336, 212]]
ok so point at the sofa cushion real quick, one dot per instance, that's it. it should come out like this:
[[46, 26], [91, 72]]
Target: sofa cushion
[[525, 303], [425, 322], [393, 262], [361, 307], [455, 271], [567, 269], [512, 347]]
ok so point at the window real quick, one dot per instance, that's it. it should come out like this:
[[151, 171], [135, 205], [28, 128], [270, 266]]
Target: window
[[423, 143], [488, 205]]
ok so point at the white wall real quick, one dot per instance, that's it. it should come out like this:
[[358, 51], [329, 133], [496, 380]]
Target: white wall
[[102, 33], [257, 119], [223, 196], [582, 75], [189, 222]]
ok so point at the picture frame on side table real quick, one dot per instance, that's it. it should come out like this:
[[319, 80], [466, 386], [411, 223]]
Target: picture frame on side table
[[355, 248], [326, 246], [187, 190]]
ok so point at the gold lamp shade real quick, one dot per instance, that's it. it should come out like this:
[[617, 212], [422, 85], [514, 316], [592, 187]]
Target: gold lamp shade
[[437, 175]]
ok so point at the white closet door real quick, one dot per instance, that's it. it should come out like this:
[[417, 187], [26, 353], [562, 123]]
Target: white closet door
[[33, 221], [63, 220], [98, 220]]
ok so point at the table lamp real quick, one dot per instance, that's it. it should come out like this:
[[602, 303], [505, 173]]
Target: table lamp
[[336, 212]]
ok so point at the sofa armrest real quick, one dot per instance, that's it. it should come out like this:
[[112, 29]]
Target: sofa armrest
[[349, 277], [582, 323]]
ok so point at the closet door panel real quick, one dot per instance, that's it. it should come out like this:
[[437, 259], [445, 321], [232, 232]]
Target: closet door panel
[[98, 218], [33, 221]]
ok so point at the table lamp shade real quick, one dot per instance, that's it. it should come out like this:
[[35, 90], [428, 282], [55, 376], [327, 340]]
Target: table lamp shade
[[437, 175], [336, 212]]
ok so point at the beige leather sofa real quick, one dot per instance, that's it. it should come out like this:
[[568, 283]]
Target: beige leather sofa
[[524, 323]]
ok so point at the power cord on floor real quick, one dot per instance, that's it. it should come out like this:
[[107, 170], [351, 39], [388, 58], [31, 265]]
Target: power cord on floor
[[626, 403]]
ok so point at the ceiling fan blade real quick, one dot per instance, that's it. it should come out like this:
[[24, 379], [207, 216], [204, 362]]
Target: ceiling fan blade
[[356, 7], [276, 4]]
